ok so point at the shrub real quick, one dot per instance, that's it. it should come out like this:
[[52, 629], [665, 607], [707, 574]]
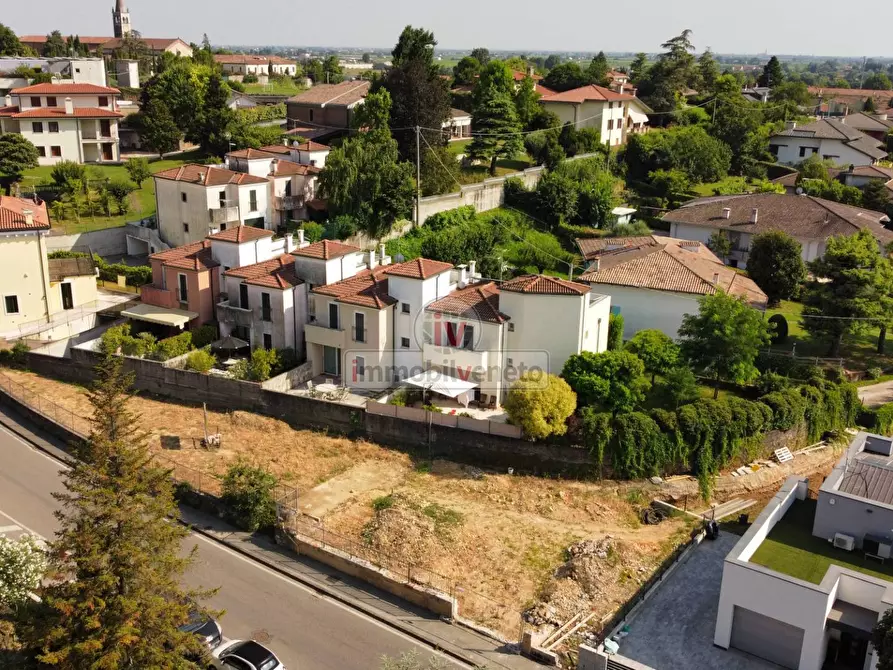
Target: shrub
[[257, 368], [313, 232], [248, 496], [382, 503], [680, 386], [249, 79], [201, 360], [432, 408], [884, 423], [143, 344], [788, 408], [770, 382], [613, 380], [875, 372], [65, 173], [286, 359], [540, 404], [172, 347], [779, 332], [17, 357], [203, 336], [615, 332], [23, 565]]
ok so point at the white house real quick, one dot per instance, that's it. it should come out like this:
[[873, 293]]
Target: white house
[[829, 139], [809, 220], [613, 114], [242, 64], [459, 125], [654, 281], [65, 121]]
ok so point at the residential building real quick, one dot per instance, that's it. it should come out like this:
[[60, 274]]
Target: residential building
[[862, 175], [65, 121], [757, 94], [809, 220], [843, 101], [37, 291], [327, 106], [613, 114], [877, 126], [459, 125], [619, 82], [74, 70], [537, 81], [242, 64], [241, 101], [654, 281], [194, 201], [109, 44], [306, 153], [829, 139], [808, 581]]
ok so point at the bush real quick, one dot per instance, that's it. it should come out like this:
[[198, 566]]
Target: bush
[[779, 332], [201, 360], [248, 496], [432, 408], [286, 359], [540, 404], [17, 357], [788, 408], [172, 347], [313, 232], [615, 332], [257, 368], [203, 336], [143, 344], [875, 372], [249, 79]]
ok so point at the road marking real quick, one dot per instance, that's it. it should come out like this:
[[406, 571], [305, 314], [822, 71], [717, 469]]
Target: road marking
[[30, 446], [8, 529], [21, 526]]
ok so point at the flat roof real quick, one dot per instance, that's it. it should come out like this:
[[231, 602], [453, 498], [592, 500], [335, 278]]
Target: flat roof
[[166, 316]]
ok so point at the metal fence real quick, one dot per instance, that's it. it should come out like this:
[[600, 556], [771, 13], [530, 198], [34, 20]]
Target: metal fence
[[61, 415]]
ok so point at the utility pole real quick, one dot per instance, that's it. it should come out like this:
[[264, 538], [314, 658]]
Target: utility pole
[[418, 176], [714, 109]]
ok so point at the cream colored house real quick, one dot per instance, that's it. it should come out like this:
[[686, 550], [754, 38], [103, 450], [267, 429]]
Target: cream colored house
[[37, 291], [613, 114]]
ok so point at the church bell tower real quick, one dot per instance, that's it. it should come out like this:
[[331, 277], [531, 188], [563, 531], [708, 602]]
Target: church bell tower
[[121, 19]]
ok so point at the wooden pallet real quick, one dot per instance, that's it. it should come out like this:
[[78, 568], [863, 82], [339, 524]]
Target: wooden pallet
[[783, 455]]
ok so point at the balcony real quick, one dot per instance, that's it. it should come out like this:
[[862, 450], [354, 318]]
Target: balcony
[[288, 202], [315, 333], [97, 136], [227, 313], [226, 214], [159, 296], [454, 357]]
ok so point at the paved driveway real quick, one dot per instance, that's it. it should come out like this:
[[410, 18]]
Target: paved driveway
[[674, 629]]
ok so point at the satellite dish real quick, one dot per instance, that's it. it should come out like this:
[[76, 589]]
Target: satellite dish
[[799, 190], [399, 258]]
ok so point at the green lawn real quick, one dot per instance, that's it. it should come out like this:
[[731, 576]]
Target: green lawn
[[143, 200], [792, 550], [474, 174], [274, 88], [458, 147]]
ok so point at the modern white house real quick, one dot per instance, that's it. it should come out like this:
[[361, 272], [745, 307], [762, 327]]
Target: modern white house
[[829, 139], [459, 125], [238, 65], [654, 281], [810, 578], [809, 220], [613, 114], [65, 121], [76, 70]]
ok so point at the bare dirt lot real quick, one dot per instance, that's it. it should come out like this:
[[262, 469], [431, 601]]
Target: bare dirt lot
[[503, 538]]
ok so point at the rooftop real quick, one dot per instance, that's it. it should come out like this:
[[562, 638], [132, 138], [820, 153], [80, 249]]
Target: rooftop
[[240, 234], [312, 146], [835, 129], [13, 217], [419, 268], [275, 273], [195, 256], [368, 288], [326, 250], [587, 93], [66, 89], [252, 154], [60, 113], [479, 302], [205, 175], [543, 285], [344, 94], [80, 266]]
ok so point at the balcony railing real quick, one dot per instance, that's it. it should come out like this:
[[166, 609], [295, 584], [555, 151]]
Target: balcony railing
[[159, 296], [359, 334], [287, 202], [227, 313], [97, 135], [220, 215]]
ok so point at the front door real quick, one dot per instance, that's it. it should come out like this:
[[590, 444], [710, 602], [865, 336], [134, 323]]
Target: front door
[[108, 154], [105, 128], [67, 297], [331, 361]]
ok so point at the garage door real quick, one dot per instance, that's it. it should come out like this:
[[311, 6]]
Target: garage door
[[767, 638]]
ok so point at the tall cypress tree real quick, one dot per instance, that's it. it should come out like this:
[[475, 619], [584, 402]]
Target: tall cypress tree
[[119, 544]]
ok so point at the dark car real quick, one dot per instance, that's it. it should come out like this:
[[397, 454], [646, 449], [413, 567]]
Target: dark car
[[205, 627], [247, 655]]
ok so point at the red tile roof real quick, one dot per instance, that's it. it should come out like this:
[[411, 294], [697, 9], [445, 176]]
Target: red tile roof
[[326, 250], [252, 154], [9, 111], [419, 268], [208, 176], [84, 39], [312, 146], [591, 247], [543, 285], [521, 76], [286, 168], [12, 214], [276, 273], [368, 288], [277, 149], [154, 43], [195, 256], [585, 93], [60, 113], [240, 234], [66, 89], [478, 301], [339, 95]]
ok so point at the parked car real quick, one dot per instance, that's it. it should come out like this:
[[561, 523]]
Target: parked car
[[205, 627], [246, 655]]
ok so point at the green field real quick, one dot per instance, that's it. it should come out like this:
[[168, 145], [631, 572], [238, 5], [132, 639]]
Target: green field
[[274, 88]]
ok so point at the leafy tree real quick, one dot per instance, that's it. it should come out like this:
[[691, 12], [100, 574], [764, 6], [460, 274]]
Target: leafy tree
[[882, 641], [856, 284], [213, 124], [557, 198], [17, 154], [119, 543], [674, 71], [481, 55], [120, 190], [877, 81], [566, 76], [724, 338], [657, 350], [332, 71], [10, 44], [776, 265], [466, 70], [158, 129], [638, 67], [737, 123], [552, 61], [613, 380], [526, 103], [313, 69], [814, 168], [874, 196], [787, 98], [672, 185], [54, 45], [540, 404], [772, 75], [615, 332], [688, 148], [65, 173], [438, 169], [22, 567], [708, 70], [248, 495], [720, 244], [868, 107], [138, 169], [598, 69], [680, 386]]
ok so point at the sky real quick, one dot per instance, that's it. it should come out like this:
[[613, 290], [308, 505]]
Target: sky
[[754, 27]]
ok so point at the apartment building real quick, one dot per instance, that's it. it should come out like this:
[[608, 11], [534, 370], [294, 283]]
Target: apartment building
[[65, 121]]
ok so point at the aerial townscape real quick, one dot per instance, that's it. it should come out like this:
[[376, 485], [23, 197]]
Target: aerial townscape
[[420, 357]]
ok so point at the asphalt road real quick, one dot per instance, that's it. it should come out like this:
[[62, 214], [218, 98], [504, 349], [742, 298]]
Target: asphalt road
[[306, 630]]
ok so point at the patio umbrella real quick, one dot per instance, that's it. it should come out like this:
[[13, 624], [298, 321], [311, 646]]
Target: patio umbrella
[[230, 343]]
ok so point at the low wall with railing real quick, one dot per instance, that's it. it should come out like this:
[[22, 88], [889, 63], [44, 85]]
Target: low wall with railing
[[447, 420]]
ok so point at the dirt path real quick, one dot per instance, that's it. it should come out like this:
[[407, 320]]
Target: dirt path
[[876, 394]]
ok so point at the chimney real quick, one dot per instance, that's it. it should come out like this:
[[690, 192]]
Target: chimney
[[201, 177], [754, 215], [790, 125], [472, 269], [531, 71], [882, 117], [289, 242], [463, 275], [29, 217], [274, 165], [371, 259], [726, 212], [384, 259], [301, 242], [596, 264], [69, 106], [8, 100], [715, 278]]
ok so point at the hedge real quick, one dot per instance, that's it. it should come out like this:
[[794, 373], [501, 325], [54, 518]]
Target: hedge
[[878, 419], [135, 275]]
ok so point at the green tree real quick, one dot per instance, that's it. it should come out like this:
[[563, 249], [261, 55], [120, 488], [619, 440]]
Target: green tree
[[540, 404], [615, 332], [882, 641], [737, 123], [688, 148], [672, 185], [638, 67], [723, 339], [787, 98], [565, 77], [119, 544], [120, 190], [657, 350], [54, 45], [466, 70], [680, 386], [66, 173], [854, 283], [557, 198], [17, 154], [10, 44], [720, 244], [708, 69], [527, 103], [772, 75], [874, 196], [776, 265], [613, 380], [597, 72], [332, 71], [877, 81], [213, 126], [868, 107], [248, 496], [313, 69], [138, 170], [494, 118], [481, 55], [674, 71], [158, 129]]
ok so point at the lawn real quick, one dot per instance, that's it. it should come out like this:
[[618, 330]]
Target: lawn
[[143, 200], [791, 549], [274, 88], [458, 147], [473, 174]]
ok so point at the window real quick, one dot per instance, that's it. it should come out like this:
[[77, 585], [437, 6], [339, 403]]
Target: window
[[183, 197], [773, 149], [222, 198], [610, 105], [404, 307], [56, 151], [333, 315], [311, 115], [183, 291], [511, 328], [243, 296], [252, 200], [51, 101], [265, 307], [11, 304], [359, 327], [468, 338], [185, 227], [222, 227], [37, 126], [53, 126], [67, 295], [268, 341], [360, 364], [404, 342], [35, 101], [803, 151], [103, 101], [42, 152], [610, 124]]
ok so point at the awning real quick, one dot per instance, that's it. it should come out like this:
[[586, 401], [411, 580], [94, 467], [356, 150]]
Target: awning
[[166, 316], [438, 382], [230, 343], [638, 117]]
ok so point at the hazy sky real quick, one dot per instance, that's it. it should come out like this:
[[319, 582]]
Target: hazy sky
[[825, 27]]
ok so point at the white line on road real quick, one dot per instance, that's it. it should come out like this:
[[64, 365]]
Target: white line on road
[[9, 529], [20, 526]]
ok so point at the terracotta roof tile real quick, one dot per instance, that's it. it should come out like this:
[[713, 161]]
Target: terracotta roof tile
[[585, 93], [9, 111], [286, 168], [208, 176], [240, 234], [278, 273], [543, 285], [591, 247], [60, 113], [419, 268], [252, 154], [277, 149], [12, 214], [154, 43], [479, 302], [62, 90], [368, 288], [312, 146], [84, 39], [195, 256], [326, 250], [343, 94]]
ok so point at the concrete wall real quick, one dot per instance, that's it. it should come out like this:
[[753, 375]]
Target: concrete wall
[[851, 516], [105, 242], [483, 197]]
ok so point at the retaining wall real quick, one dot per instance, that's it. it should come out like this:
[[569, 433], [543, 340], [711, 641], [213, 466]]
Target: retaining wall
[[105, 242]]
